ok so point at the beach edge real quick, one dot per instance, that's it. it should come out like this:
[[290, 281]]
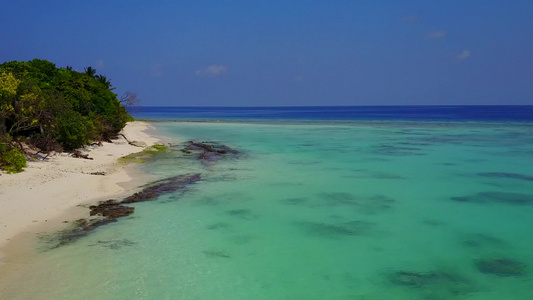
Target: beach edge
[[48, 189]]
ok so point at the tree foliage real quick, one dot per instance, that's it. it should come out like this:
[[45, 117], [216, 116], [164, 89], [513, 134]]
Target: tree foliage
[[11, 159], [55, 108]]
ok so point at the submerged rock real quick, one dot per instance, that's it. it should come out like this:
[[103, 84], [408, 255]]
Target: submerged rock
[[216, 253], [416, 279], [295, 201], [497, 197], [219, 225], [115, 244], [109, 211], [363, 204], [209, 152], [353, 228], [244, 214], [338, 198], [411, 279], [81, 228], [502, 267], [481, 240], [436, 282], [506, 175], [162, 187], [395, 150]]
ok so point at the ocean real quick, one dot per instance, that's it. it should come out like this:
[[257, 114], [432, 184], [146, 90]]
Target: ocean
[[366, 203]]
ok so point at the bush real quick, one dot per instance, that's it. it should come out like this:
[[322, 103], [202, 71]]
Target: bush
[[72, 130], [11, 160]]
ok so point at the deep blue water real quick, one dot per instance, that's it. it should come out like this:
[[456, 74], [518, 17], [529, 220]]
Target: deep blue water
[[506, 113]]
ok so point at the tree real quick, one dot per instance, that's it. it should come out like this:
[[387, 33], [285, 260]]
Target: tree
[[104, 81], [8, 91], [74, 130], [129, 98], [52, 108], [90, 71], [8, 83]]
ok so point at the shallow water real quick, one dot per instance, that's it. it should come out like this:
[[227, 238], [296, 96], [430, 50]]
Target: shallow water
[[318, 211]]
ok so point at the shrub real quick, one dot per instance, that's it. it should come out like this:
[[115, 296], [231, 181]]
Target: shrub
[[72, 130], [11, 160]]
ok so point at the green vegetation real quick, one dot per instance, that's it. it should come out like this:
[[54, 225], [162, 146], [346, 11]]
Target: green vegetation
[[52, 109], [147, 153], [11, 160]]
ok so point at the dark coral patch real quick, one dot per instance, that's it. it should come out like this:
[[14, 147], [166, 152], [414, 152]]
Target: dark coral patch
[[394, 150], [353, 228], [115, 244], [363, 204], [162, 187], [503, 267], [506, 175], [411, 279], [110, 211], [219, 225], [436, 282], [242, 213], [338, 198], [209, 153], [295, 201], [481, 240], [497, 197], [216, 253]]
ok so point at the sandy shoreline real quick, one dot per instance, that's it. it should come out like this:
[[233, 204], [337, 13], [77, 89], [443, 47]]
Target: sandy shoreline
[[48, 189]]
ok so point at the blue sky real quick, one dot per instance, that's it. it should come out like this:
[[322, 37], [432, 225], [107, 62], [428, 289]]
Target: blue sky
[[249, 53]]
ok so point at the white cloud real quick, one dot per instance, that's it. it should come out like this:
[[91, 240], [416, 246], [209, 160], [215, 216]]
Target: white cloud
[[410, 19], [157, 70], [100, 64], [436, 34], [464, 55], [212, 70]]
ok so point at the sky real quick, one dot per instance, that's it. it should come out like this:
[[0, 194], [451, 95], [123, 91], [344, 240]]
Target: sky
[[291, 52]]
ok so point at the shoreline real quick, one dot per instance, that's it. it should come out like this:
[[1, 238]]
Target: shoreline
[[49, 192]]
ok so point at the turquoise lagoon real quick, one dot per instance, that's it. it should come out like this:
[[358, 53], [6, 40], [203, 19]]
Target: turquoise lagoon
[[319, 210]]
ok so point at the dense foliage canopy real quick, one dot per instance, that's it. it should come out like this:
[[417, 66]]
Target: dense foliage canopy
[[53, 109]]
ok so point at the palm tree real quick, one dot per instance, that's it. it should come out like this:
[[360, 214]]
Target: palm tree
[[90, 71], [103, 80]]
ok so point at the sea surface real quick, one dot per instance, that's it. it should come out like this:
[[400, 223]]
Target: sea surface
[[333, 203]]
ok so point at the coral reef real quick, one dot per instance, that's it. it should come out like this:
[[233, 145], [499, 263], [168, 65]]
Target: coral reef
[[364, 204], [109, 211], [216, 254], [506, 175], [244, 214], [503, 267], [435, 283], [497, 197], [209, 153], [352, 228]]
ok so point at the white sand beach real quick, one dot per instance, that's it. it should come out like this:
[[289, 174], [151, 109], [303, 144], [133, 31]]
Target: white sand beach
[[47, 188]]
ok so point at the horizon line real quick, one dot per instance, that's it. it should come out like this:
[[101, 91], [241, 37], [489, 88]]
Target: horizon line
[[375, 105]]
